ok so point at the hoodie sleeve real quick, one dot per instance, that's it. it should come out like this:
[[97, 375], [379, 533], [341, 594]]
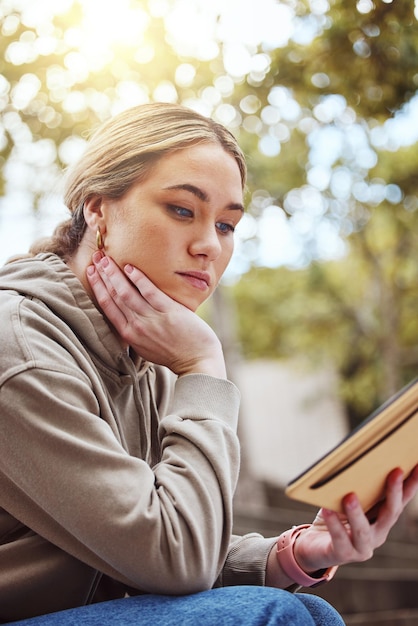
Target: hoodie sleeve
[[164, 529], [66, 473]]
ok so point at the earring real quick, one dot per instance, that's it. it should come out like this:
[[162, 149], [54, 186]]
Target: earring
[[99, 239]]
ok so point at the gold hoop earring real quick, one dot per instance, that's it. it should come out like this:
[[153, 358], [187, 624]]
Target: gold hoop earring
[[99, 239]]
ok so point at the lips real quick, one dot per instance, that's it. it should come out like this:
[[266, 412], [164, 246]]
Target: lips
[[200, 280]]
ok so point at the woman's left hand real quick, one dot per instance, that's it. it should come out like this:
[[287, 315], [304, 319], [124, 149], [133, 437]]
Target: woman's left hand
[[334, 539]]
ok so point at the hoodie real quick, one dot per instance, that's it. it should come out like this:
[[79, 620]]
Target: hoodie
[[116, 477]]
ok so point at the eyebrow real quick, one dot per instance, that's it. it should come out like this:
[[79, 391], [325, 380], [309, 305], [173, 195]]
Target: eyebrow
[[202, 195]]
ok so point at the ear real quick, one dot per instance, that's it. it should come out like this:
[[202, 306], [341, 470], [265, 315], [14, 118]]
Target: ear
[[95, 213]]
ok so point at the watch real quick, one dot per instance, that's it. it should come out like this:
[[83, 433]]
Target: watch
[[288, 563]]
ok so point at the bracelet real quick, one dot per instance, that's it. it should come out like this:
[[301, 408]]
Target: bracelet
[[289, 565]]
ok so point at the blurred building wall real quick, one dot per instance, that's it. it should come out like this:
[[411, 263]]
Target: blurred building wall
[[291, 416]]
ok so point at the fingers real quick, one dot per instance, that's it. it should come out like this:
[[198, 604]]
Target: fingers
[[410, 488], [337, 539], [120, 300], [118, 297], [156, 298], [351, 535], [394, 492], [129, 296], [366, 534], [104, 297], [119, 289], [361, 532], [331, 542], [390, 509]]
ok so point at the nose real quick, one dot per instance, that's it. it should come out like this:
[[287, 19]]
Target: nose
[[206, 242]]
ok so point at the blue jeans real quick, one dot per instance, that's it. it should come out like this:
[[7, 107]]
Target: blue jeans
[[225, 606]]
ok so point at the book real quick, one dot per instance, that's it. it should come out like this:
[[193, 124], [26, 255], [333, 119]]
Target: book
[[361, 462]]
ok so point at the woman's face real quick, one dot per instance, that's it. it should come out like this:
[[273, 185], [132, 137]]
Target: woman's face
[[177, 225]]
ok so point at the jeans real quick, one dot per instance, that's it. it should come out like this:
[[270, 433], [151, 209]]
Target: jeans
[[225, 606]]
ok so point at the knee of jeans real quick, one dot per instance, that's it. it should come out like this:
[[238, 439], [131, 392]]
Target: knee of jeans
[[321, 611], [265, 606]]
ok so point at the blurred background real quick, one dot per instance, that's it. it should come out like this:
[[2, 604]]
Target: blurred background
[[318, 310]]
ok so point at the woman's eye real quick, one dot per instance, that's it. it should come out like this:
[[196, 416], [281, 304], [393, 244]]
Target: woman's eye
[[225, 228], [180, 211]]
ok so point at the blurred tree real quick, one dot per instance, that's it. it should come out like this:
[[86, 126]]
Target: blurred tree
[[54, 88], [358, 312], [321, 114], [327, 104], [349, 88]]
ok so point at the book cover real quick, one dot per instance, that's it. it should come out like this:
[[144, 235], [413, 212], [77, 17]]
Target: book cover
[[362, 461]]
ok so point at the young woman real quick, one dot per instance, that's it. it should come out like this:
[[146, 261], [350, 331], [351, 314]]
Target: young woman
[[118, 448]]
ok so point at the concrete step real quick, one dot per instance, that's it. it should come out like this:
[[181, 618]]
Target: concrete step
[[401, 617], [357, 590], [385, 586]]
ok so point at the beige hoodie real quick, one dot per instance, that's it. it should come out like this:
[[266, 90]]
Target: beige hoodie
[[115, 476]]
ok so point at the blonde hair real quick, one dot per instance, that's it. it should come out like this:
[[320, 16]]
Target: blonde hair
[[123, 151]]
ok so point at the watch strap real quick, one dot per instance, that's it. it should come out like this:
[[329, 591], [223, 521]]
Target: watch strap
[[286, 557]]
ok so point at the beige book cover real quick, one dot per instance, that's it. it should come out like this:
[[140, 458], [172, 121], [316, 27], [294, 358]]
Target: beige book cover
[[361, 462]]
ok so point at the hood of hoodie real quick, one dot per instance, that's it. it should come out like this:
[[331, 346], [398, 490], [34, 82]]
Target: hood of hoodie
[[48, 279]]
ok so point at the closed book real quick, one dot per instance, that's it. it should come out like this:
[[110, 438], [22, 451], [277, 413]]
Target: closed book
[[387, 439]]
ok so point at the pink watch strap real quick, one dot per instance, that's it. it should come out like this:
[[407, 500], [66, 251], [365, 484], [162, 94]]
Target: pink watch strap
[[289, 565]]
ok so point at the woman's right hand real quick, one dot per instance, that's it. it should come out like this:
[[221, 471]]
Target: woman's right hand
[[157, 327]]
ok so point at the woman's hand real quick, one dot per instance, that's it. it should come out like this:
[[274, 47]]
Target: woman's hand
[[157, 327], [334, 539]]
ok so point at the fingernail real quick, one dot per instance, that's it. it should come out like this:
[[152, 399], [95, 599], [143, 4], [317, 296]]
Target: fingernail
[[327, 512], [351, 501], [90, 270], [96, 257], [129, 269]]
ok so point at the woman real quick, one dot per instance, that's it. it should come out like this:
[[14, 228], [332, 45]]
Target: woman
[[118, 448]]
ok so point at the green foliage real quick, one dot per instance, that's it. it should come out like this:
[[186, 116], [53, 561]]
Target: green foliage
[[339, 313], [370, 58], [359, 312], [312, 118]]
